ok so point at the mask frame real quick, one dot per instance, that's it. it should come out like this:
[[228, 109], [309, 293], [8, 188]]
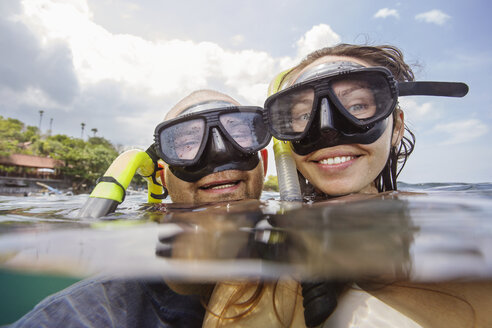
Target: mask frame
[[349, 129], [211, 119]]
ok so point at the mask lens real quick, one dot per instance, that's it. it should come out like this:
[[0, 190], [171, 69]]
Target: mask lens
[[290, 113], [245, 128], [182, 141], [365, 96]]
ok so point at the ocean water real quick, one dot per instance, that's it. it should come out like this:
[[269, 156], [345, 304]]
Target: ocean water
[[430, 232]]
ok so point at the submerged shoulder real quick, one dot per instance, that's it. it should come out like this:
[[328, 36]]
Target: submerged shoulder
[[104, 302], [87, 303]]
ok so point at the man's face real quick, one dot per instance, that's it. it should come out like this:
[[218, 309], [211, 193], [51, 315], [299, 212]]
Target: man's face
[[216, 187], [220, 186]]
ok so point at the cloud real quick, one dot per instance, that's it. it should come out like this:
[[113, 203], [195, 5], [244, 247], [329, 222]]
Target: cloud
[[386, 12], [434, 16], [418, 112], [461, 131], [319, 36], [77, 71], [170, 68], [162, 67], [26, 63], [237, 39]]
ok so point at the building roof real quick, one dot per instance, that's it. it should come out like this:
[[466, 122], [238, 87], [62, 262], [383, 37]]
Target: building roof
[[30, 161]]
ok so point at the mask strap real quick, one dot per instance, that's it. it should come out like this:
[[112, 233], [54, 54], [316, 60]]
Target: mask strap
[[427, 88]]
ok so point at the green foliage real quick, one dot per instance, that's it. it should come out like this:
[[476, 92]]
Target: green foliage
[[84, 161], [31, 133], [6, 147], [271, 183], [11, 135], [11, 128], [8, 169]]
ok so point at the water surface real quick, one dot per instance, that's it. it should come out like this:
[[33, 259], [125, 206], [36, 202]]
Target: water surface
[[427, 233]]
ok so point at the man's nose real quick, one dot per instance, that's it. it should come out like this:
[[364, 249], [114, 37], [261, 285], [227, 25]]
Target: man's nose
[[325, 116], [218, 143]]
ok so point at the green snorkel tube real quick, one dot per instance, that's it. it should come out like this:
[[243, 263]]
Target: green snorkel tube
[[110, 189], [288, 181]]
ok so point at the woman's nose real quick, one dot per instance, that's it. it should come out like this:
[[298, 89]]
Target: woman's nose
[[325, 116]]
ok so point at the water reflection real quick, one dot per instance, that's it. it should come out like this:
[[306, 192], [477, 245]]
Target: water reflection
[[368, 238], [393, 237]]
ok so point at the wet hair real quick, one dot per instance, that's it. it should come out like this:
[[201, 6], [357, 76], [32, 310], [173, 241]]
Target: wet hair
[[385, 56]]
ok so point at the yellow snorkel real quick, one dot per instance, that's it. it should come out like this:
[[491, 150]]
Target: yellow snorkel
[[111, 188], [288, 181]]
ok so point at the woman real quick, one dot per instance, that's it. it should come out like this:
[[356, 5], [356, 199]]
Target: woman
[[339, 110], [365, 163], [347, 130]]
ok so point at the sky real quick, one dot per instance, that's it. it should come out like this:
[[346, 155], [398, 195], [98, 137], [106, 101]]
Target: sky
[[119, 66]]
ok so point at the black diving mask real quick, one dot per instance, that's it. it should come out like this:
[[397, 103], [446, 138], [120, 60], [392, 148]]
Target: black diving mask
[[213, 140], [342, 103]]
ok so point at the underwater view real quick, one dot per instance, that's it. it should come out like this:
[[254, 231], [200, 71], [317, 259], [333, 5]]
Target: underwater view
[[426, 233]]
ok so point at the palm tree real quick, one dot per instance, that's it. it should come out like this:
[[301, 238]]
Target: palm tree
[[40, 119], [51, 126], [94, 130], [82, 125]]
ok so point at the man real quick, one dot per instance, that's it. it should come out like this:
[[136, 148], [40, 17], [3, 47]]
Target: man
[[224, 147], [210, 145]]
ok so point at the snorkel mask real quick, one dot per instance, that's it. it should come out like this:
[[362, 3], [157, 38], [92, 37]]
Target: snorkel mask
[[342, 103], [212, 137]]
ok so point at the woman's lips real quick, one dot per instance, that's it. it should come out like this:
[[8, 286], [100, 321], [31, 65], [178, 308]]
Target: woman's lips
[[335, 162]]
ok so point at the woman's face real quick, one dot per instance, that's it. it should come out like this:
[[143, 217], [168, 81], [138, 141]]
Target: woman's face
[[349, 168]]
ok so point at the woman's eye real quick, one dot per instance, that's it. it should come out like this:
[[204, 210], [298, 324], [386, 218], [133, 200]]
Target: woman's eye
[[357, 108], [362, 110]]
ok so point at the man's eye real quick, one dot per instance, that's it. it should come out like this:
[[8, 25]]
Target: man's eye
[[302, 117], [191, 143]]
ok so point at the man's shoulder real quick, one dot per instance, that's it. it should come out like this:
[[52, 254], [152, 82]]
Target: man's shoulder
[[107, 302]]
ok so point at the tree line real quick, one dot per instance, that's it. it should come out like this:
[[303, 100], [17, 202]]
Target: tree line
[[84, 161]]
